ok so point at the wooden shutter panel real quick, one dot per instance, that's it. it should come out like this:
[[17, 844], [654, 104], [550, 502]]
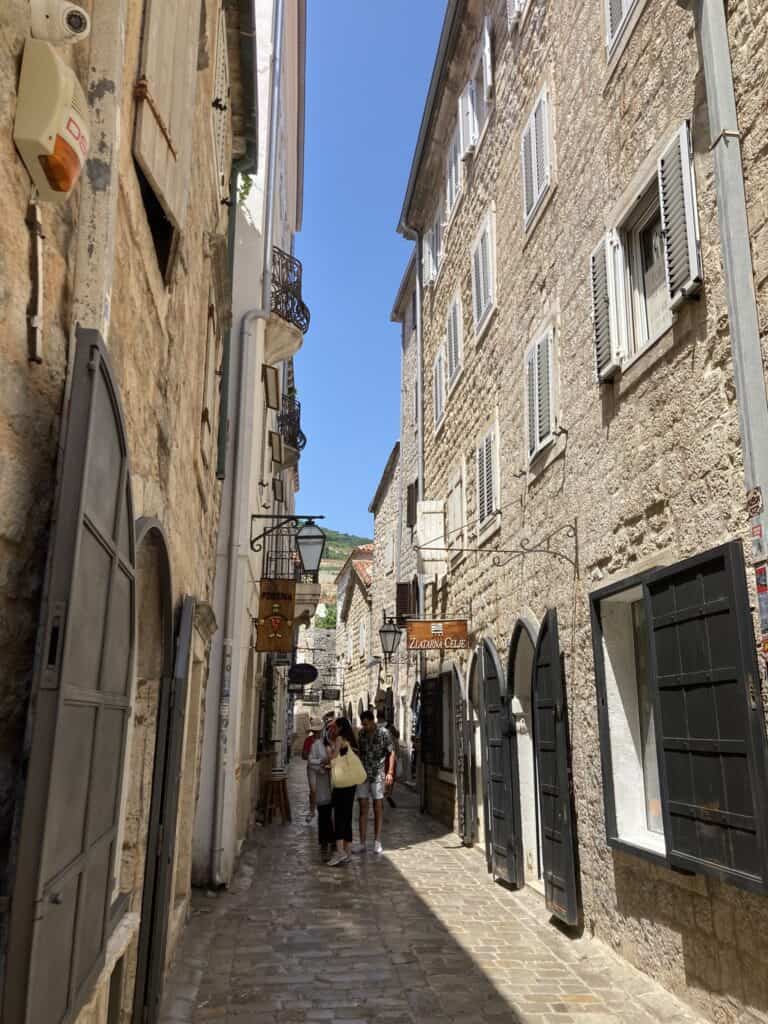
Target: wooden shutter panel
[[480, 470], [607, 355], [427, 261], [485, 263], [529, 197], [162, 141], [477, 275], [432, 720], [411, 502], [530, 382], [79, 714], [403, 601], [615, 16], [544, 387], [220, 109], [679, 220], [541, 132], [497, 762], [712, 744], [466, 132], [487, 60], [490, 482]]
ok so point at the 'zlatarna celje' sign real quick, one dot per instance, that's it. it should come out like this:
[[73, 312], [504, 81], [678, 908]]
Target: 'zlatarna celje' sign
[[437, 635]]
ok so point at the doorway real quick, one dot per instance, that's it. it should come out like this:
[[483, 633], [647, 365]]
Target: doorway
[[520, 682], [476, 774]]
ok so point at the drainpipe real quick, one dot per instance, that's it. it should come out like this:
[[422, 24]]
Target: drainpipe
[[421, 661], [243, 413], [712, 31]]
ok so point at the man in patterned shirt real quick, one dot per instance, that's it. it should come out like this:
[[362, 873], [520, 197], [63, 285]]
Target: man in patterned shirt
[[378, 757]]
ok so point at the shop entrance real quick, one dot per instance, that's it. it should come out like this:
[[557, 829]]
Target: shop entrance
[[522, 651]]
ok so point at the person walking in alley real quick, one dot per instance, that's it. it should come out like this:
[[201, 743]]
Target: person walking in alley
[[378, 756], [319, 769], [346, 773], [315, 731], [395, 737]]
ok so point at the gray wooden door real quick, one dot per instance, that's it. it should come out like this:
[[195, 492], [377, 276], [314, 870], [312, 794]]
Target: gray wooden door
[[498, 768], [79, 712], [161, 840], [552, 746], [466, 810]]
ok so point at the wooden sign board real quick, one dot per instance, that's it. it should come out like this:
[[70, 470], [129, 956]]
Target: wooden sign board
[[277, 603], [437, 635]]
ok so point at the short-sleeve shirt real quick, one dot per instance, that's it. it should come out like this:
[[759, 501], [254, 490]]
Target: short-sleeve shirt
[[374, 749]]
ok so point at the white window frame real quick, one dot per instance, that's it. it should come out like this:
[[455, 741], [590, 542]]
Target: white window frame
[[453, 370], [453, 176], [539, 189], [612, 38], [438, 387], [531, 358], [455, 532], [363, 638], [636, 331], [485, 523], [487, 225], [350, 646]]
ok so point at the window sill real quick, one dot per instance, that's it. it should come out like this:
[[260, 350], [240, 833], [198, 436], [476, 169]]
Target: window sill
[[643, 852], [452, 385], [643, 361], [542, 204], [489, 529], [447, 775], [545, 456], [481, 329]]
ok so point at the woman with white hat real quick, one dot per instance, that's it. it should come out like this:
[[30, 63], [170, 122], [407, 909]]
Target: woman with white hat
[[320, 771], [315, 730]]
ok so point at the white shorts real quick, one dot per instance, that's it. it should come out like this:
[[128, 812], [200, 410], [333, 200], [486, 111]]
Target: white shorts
[[371, 790]]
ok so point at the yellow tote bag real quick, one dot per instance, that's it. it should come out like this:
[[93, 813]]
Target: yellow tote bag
[[347, 770]]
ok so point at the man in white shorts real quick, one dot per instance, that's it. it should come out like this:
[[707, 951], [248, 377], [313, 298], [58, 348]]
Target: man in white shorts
[[378, 757]]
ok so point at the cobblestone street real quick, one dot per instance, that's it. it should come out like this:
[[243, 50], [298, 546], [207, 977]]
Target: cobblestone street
[[419, 934]]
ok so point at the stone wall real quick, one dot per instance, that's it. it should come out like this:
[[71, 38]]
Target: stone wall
[[647, 468], [355, 675]]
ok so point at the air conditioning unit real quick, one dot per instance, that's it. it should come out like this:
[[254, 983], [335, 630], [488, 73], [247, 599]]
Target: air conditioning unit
[[51, 130]]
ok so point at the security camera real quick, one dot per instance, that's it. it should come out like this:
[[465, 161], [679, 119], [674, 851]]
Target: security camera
[[58, 21]]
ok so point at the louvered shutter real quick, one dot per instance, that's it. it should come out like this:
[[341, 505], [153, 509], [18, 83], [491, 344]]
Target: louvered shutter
[[480, 469], [544, 387], [615, 13], [221, 110], [454, 344], [490, 483], [514, 8], [679, 220], [403, 601], [477, 284], [487, 60], [529, 196], [162, 142], [607, 351], [411, 502], [530, 383], [427, 262], [431, 720], [485, 256], [467, 119], [541, 132]]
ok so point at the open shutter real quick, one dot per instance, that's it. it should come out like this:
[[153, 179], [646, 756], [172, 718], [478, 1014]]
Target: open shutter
[[498, 765], [403, 601], [530, 386], [490, 482], [529, 196], [544, 387], [607, 352], [487, 60], [477, 284], [679, 220], [615, 16], [485, 262], [411, 501], [79, 713], [514, 10], [165, 92], [481, 484], [220, 113], [432, 720], [712, 749], [467, 119], [427, 262], [541, 133], [462, 763], [552, 745]]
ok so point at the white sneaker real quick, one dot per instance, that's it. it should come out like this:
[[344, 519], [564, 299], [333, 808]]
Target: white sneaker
[[377, 847], [336, 859], [358, 847]]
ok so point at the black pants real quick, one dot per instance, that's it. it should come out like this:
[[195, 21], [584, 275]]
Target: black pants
[[343, 806], [325, 833]]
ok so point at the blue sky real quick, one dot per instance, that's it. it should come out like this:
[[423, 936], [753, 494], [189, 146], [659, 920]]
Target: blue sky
[[368, 69]]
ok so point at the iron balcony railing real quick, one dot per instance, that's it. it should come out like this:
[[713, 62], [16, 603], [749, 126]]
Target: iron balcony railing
[[281, 557], [289, 423], [286, 290]]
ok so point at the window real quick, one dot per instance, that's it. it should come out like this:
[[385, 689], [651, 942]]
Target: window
[[644, 268], [617, 16], [536, 157], [453, 344], [539, 393], [350, 647], [682, 734], [412, 498], [453, 173], [433, 249], [220, 110], [454, 512], [483, 275], [475, 100], [486, 480], [416, 405], [438, 385], [363, 639]]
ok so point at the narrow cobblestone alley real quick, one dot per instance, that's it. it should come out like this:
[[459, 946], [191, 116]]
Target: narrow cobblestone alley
[[420, 934]]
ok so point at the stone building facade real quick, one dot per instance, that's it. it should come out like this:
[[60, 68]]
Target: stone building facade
[[582, 503], [353, 632]]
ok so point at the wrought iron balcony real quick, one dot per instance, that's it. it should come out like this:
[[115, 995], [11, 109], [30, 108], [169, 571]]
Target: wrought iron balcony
[[281, 557], [289, 423], [286, 290]]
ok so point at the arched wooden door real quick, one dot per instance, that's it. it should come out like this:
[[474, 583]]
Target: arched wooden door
[[463, 763], [552, 746], [501, 782], [79, 715]]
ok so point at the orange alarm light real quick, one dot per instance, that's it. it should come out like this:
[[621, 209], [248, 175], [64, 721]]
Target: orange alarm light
[[62, 167]]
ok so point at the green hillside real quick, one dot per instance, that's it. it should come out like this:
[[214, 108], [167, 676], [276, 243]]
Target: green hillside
[[339, 545]]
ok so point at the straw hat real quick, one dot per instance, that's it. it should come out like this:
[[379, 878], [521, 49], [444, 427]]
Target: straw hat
[[315, 725]]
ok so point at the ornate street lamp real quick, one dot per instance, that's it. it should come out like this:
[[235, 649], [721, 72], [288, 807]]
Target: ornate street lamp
[[389, 634], [310, 543]]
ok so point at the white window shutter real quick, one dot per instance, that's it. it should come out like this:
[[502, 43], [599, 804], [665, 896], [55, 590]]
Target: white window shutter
[[220, 109], [679, 219], [487, 60], [490, 483], [614, 17], [481, 483], [166, 89], [529, 195], [485, 262], [514, 8], [466, 119], [427, 261], [607, 349], [544, 388], [477, 272], [541, 130], [530, 384]]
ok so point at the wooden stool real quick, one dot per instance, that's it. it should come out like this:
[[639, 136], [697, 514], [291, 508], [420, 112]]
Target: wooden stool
[[277, 799]]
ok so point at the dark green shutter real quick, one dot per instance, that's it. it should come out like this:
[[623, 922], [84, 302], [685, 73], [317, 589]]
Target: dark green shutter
[[498, 767], [712, 746], [432, 720]]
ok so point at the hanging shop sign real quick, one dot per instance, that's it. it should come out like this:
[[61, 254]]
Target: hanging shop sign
[[330, 693], [277, 602], [437, 635], [303, 673]]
